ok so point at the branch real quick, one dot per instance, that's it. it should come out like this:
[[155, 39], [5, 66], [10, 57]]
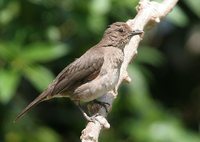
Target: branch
[[148, 13]]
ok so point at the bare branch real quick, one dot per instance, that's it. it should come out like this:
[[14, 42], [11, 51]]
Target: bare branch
[[148, 13]]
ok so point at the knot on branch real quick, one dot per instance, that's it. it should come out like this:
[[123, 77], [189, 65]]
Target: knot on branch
[[153, 8], [127, 78]]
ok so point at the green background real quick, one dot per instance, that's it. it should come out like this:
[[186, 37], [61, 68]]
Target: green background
[[38, 38]]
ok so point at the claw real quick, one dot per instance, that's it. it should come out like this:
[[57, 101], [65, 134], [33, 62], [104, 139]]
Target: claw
[[103, 104], [91, 118], [87, 117]]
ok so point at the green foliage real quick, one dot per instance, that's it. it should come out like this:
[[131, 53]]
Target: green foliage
[[156, 58], [178, 17], [39, 76], [19, 60], [194, 5], [8, 84], [9, 12], [42, 134], [151, 122], [42, 52]]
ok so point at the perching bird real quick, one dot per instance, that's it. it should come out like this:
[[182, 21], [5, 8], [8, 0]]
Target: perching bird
[[94, 73]]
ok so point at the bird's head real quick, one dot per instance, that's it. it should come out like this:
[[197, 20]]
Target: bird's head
[[119, 34]]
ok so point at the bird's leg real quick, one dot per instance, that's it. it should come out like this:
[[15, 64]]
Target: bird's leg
[[103, 104], [88, 118]]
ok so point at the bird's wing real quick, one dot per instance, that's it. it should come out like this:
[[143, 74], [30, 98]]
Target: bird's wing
[[81, 70], [84, 68], [106, 80]]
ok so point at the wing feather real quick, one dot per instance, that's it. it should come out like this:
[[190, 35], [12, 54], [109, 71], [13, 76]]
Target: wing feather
[[82, 69]]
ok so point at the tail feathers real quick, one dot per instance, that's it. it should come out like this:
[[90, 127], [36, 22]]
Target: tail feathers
[[36, 101]]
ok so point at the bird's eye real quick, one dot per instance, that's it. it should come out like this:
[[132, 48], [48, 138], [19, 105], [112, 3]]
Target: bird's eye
[[121, 30]]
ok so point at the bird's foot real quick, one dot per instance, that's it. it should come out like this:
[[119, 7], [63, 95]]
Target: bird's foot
[[91, 118], [97, 118], [104, 104], [86, 116]]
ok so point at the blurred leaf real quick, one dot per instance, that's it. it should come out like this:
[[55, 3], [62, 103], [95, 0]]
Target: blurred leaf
[[178, 17], [45, 134], [93, 19], [53, 33], [4, 52], [169, 131], [39, 76], [194, 6], [100, 6], [8, 50], [98, 9], [9, 13], [8, 83], [41, 134], [13, 137], [140, 93], [43, 52], [139, 84], [150, 56]]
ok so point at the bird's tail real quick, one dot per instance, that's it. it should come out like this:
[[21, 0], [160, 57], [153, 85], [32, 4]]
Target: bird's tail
[[36, 101]]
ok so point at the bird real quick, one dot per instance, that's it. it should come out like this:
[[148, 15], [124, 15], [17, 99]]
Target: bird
[[93, 74]]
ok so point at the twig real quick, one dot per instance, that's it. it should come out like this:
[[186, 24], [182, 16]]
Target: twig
[[148, 13]]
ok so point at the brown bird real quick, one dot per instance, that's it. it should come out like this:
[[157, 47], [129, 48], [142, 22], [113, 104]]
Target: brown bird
[[94, 73]]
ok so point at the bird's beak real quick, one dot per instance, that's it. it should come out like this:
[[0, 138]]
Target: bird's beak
[[136, 32]]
